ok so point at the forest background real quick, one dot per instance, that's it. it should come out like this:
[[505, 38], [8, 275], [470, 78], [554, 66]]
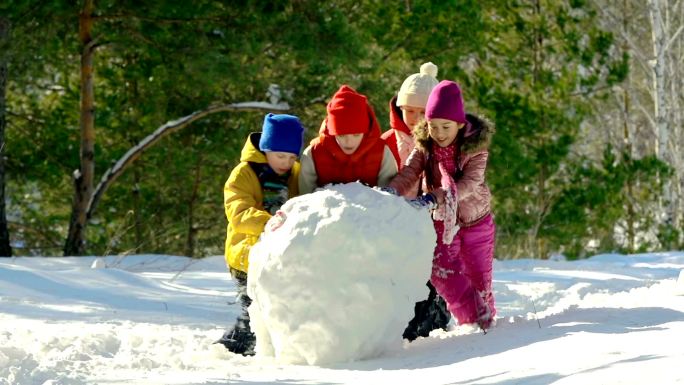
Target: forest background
[[121, 120]]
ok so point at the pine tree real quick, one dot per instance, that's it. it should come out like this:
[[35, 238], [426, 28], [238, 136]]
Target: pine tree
[[544, 60]]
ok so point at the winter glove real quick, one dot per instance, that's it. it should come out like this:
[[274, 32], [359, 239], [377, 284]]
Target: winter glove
[[425, 201], [276, 221], [388, 189]]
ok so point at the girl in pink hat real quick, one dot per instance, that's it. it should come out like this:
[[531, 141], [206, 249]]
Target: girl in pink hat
[[406, 109], [451, 152]]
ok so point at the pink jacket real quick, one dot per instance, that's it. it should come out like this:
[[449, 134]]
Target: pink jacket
[[474, 197]]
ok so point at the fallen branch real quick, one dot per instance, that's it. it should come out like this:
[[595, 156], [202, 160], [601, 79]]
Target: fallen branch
[[168, 128]]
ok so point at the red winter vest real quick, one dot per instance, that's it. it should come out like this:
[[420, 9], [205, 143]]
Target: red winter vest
[[348, 113], [334, 166]]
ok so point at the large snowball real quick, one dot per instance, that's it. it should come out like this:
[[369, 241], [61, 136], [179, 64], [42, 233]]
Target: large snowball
[[339, 279]]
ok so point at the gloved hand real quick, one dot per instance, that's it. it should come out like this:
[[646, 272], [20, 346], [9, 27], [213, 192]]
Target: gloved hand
[[387, 189], [425, 201], [276, 221]]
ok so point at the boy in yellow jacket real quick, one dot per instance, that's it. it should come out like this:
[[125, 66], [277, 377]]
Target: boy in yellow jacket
[[266, 177]]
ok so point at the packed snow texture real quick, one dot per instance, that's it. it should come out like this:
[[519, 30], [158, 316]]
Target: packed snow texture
[[338, 280], [150, 319]]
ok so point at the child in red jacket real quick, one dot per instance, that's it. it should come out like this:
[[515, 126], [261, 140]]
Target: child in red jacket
[[348, 148]]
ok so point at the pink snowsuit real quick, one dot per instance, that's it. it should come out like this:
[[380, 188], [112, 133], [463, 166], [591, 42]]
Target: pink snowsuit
[[462, 272], [462, 263]]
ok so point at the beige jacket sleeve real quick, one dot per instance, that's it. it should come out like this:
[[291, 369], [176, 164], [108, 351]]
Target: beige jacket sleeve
[[388, 168], [307, 173]]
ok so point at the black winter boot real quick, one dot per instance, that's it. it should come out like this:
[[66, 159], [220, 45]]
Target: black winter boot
[[430, 314], [240, 339]]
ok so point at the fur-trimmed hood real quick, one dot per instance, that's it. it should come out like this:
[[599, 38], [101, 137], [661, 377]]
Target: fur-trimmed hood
[[474, 137]]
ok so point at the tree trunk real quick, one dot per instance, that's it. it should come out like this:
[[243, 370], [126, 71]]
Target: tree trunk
[[83, 178], [659, 65], [137, 209], [539, 243], [676, 69], [192, 229], [660, 102], [627, 139], [5, 247]]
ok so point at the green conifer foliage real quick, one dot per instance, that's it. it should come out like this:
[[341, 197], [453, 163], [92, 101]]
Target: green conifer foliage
[[543, 64], [539, 69]]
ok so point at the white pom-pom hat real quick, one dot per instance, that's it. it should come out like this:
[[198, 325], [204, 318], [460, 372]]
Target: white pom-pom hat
[[416, 88]]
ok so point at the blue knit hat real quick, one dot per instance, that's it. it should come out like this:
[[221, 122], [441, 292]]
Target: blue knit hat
[[282, 133]]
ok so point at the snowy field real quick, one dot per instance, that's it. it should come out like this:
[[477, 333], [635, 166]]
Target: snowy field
[[149, 319]]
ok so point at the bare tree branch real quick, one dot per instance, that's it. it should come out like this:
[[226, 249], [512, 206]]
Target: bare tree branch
[[674, 37], [168, 128], [162, 20]]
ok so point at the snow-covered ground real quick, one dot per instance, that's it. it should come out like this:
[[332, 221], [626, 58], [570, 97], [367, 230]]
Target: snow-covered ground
[[147, 319]]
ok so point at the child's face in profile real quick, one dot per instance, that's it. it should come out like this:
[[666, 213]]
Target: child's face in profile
[[412, 115], [443, 131], [349, 143], [280, 162]]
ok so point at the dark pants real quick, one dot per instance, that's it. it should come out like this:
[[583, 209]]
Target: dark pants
[[430, 314], [240, 339]]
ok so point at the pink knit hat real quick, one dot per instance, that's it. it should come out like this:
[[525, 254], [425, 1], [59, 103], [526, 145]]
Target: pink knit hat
[[446, 102]]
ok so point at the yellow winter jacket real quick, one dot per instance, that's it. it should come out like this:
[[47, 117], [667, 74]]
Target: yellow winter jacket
[[243, 203]]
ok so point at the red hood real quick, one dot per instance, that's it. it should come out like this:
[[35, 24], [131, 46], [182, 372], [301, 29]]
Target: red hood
[[396, 120]]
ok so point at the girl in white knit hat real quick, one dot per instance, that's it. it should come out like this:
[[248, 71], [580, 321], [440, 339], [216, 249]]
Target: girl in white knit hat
[[406, 110]]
